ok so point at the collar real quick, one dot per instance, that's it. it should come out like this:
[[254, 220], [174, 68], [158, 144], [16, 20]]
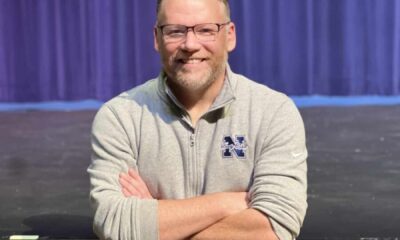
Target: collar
[[226, 95]]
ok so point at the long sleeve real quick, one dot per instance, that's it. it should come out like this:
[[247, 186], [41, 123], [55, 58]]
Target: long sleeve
[[115, 216], [280, 175]]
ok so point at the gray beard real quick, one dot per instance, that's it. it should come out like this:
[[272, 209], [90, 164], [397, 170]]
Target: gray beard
[[194, 83]]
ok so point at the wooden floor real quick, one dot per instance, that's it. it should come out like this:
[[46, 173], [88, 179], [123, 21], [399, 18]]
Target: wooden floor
[[354, 173]]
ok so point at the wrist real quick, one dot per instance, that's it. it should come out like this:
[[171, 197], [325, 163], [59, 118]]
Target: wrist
[[231, 203]]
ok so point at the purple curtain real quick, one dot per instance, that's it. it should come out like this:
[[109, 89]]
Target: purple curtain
[[94, 49]]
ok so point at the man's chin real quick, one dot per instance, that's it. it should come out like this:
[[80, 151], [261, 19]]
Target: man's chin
[[193, 82]]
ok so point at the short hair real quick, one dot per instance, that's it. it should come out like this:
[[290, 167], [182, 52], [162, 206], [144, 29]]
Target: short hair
[[225, 2]]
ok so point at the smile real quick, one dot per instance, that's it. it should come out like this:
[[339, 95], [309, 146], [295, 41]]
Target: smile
[[191, 60]]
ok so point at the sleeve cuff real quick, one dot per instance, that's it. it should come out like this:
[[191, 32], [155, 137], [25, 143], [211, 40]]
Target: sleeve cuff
[[280, 231], [147, 217]]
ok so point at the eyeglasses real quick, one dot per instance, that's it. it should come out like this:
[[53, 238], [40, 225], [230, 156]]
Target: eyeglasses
[[205, 32]]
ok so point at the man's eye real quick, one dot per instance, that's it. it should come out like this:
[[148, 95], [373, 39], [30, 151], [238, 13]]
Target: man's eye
[[175, 32], [205, 31]]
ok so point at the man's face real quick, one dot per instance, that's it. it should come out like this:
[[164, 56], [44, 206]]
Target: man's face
[[192, 64]]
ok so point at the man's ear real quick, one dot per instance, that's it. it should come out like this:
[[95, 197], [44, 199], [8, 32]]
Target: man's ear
[[231, 37], [155, 36]]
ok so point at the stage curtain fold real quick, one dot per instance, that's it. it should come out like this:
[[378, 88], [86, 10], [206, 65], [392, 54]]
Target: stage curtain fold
[[94, 49]]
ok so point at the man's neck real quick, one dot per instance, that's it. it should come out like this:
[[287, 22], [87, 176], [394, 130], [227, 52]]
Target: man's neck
[[198, 102]]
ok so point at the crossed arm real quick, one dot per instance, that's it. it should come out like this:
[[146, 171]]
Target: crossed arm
[[222, 215]]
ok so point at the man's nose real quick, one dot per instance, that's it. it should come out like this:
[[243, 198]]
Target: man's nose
[[191, 42]]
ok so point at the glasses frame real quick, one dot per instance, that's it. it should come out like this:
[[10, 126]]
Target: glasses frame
[[219, 25]]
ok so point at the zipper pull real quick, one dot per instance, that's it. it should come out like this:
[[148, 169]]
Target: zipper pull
[[191, 140]]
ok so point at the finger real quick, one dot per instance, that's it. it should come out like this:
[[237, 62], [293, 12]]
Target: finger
[[126, 192], [134, 174], [129, 179], [123, 182], [140, 186], [143, 186], [132, 181], [130, 187]]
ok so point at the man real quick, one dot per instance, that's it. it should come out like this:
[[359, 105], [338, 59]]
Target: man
[[199, 152]]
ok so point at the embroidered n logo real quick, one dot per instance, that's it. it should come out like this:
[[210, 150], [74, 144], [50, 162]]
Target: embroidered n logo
[[234, 146]]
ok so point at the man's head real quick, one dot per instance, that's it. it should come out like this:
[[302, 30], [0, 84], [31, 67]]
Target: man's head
[[192, 61], [225, 2]]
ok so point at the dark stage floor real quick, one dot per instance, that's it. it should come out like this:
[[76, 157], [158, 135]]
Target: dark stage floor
[[354, 173]]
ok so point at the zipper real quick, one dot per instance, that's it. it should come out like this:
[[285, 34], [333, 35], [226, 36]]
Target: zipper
[[193, 162], [192, 139]]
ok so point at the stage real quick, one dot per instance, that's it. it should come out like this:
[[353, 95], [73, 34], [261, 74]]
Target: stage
[[353, 164]]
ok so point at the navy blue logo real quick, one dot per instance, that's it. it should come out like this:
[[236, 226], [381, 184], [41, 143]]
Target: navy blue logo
[[234, 146]]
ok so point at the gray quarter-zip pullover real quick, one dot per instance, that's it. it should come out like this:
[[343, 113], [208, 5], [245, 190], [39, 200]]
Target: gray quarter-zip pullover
[[251, 139]]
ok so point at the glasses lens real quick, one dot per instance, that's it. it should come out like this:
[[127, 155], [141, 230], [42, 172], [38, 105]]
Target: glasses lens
[[206, 32], [174, 32]]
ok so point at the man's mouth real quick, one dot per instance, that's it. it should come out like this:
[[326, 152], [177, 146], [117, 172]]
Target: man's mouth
[[191, 60]]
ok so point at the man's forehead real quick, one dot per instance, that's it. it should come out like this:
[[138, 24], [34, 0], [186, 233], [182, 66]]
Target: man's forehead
[[174, 8]]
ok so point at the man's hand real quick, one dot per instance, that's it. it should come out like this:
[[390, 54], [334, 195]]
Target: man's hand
[[133, 186], [180, 219], [247, 224]]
